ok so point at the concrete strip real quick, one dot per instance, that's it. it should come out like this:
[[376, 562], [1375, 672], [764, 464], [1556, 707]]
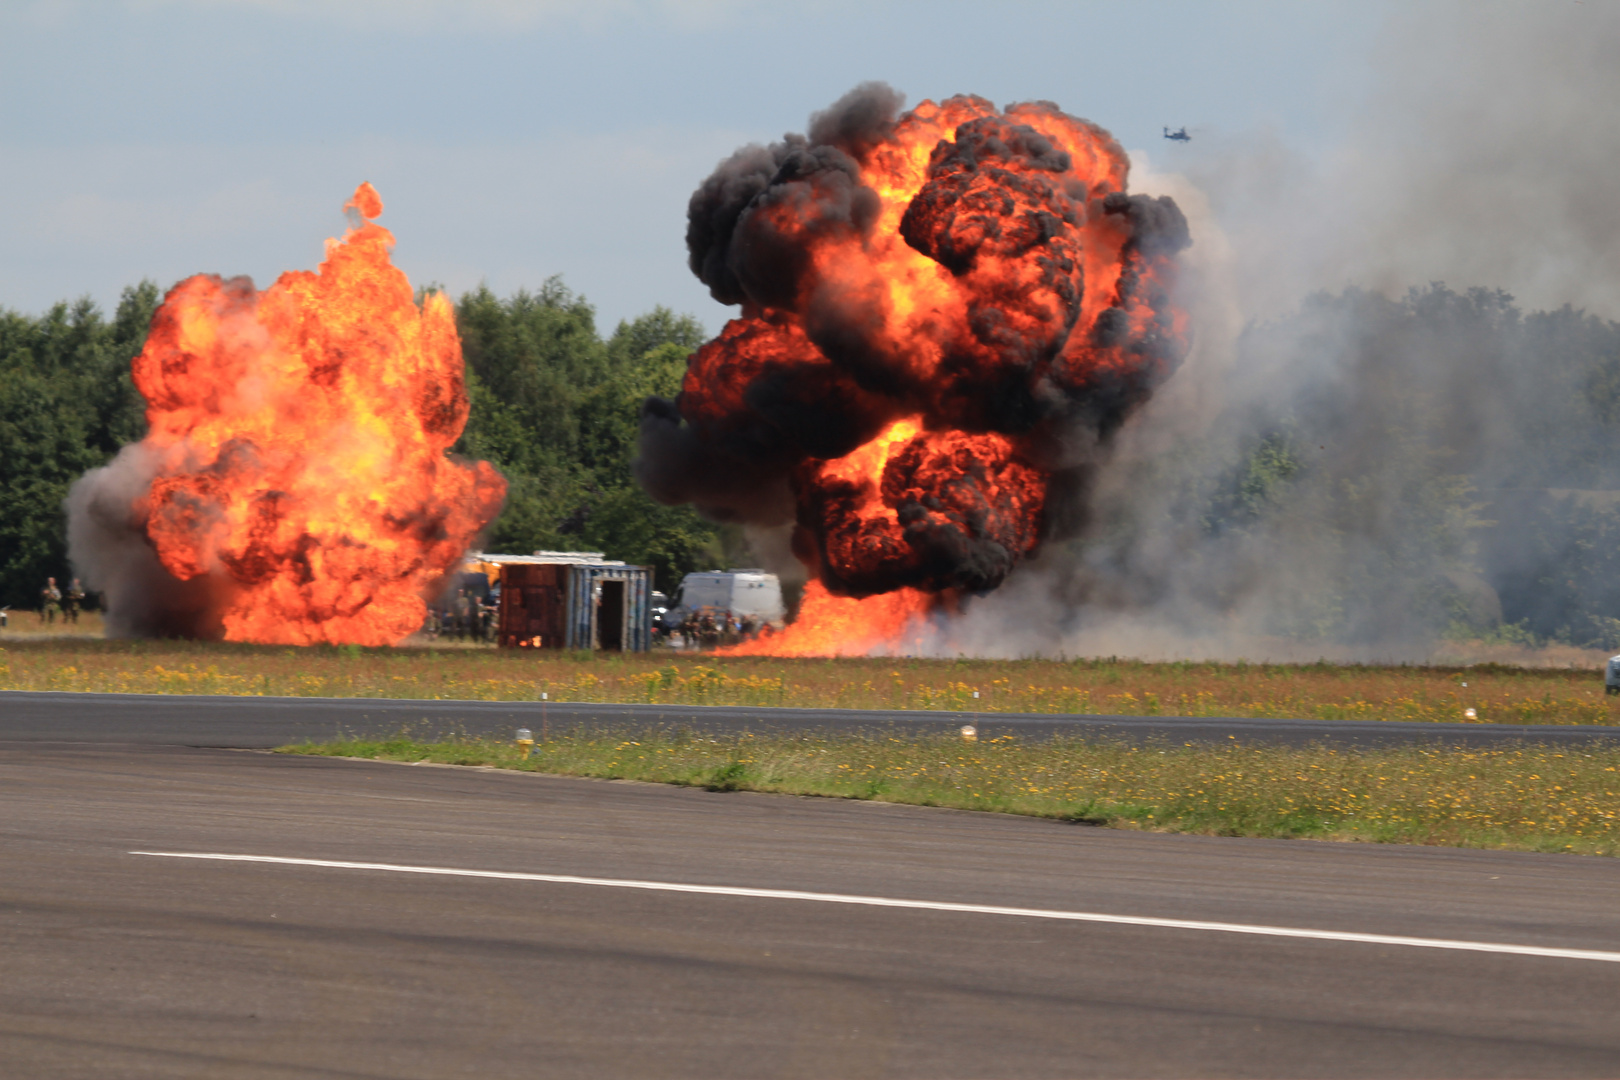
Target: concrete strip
[[920, 905]]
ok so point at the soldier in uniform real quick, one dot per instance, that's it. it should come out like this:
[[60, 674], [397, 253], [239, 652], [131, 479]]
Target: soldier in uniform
[[50, 601], [75, 601]]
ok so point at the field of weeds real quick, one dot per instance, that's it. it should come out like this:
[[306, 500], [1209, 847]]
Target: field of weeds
[[1496, 694], [1522, 797]]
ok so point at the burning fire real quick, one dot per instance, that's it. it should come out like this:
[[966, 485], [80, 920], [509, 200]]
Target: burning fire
[[300, 435], [945, 315], [831, 625]]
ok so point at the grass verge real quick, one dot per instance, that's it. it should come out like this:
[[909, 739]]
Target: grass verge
[[1497, 694], [1524, 797]]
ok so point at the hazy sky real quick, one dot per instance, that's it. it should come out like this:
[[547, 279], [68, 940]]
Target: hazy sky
[[516, 139]]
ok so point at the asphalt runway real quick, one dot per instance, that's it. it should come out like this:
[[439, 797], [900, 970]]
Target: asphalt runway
[[263, 722], [639, 930]]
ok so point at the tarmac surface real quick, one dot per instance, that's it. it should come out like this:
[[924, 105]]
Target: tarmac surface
[[265, 722], [114, 964]]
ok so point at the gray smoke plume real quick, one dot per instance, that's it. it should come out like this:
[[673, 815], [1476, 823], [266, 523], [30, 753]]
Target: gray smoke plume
[[110, 552]]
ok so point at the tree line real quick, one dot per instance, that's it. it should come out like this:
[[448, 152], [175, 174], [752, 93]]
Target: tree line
[[1439, 461], [554, 406]]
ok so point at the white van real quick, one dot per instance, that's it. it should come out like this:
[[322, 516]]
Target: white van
[[742, 593]]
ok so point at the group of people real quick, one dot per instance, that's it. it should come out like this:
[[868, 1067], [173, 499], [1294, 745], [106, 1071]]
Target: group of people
[[710, 629], [53, 601], [467, 617]]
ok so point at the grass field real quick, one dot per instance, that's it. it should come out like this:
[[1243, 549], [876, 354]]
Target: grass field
[[1496, 693], [1523, 797]]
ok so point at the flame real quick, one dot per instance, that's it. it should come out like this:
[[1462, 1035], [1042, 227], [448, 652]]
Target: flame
[[831, 625], [867, 506], [303, 433], [866, 463]]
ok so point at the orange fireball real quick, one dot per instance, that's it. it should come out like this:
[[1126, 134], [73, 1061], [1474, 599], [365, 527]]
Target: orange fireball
[[945, 314], [302, 436]]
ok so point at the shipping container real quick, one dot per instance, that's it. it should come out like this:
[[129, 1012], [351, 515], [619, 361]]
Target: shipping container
[[570, 600]]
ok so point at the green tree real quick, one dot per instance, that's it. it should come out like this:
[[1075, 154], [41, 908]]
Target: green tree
[[556, 409], [67, 403]]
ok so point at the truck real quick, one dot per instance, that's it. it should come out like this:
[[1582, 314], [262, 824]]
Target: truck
[[738, 592]]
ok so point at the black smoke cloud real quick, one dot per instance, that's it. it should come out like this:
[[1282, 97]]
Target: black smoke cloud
[[735, 249], [731, 244], [816, 359]]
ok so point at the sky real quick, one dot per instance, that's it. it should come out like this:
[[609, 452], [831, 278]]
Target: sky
[[514, 140]]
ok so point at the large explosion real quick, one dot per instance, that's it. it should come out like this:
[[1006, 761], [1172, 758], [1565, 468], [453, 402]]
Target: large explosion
[[294, 485], [944, 317]]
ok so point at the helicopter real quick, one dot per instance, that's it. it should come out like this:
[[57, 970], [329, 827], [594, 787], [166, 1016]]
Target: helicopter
[[1177, 136]]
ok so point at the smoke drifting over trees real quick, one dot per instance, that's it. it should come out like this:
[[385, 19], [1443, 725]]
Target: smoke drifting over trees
[[1361, 471]]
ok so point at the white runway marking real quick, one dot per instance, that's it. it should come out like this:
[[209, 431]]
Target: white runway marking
[[922, 905]]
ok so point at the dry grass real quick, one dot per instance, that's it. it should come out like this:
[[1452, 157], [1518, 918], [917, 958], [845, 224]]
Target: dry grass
[[1498, 694], [28, 626], [1520, 797]]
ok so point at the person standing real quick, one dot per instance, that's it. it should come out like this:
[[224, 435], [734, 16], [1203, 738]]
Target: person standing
[[463, 615], [75, 601], [50, 602]]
